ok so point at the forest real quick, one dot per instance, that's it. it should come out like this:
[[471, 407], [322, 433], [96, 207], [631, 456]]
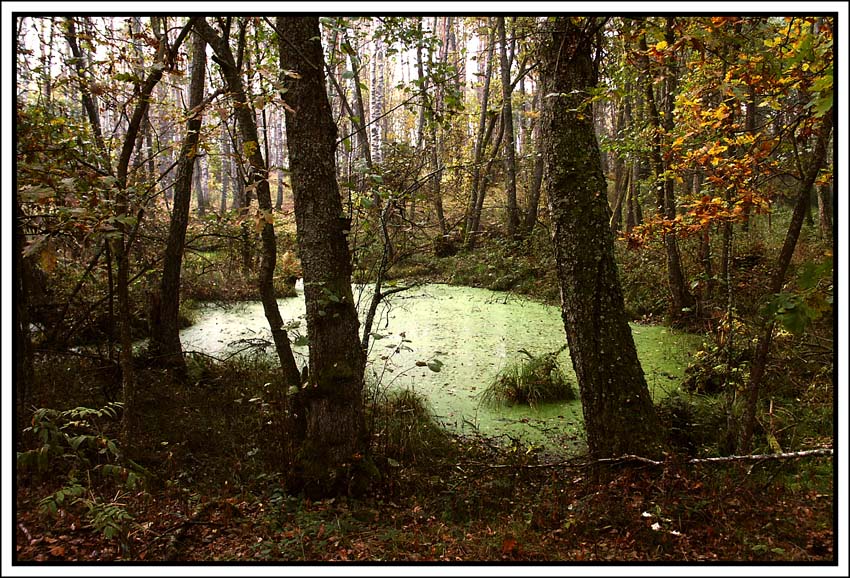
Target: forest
[[443, 288]]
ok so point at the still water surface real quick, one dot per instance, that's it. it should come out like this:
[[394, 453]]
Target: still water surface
[[474, 333]]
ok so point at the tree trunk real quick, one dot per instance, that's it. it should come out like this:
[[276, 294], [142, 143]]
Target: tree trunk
[[226, 177], [681, 298], [536, 181], [88, 100], [363, 149], [376, 96], [434, 146], [818, 160], [124, 243], [480, 140], [618, 412], [280, 161], [165, 331], [510, 140], [197, 185], [258, 181], [24, 371], [485, 183], [331, 457], [825, 211]]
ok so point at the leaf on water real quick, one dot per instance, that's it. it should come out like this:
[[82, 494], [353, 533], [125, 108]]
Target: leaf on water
[[435, 365]]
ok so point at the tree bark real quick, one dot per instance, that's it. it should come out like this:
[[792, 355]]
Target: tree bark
[[259, 182], [280, 161], [124, 243], [165, 331], [376, 96], [226, 178], [825, 211], [336, 441], [24, 370], [618, 412], [480, 139], [510, 139], [89, 103], [536, 178]]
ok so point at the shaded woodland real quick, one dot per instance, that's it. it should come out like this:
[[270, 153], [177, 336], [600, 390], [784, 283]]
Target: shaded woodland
[[628, 170]]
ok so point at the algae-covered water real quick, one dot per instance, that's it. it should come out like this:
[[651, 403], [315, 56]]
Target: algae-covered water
[[474, 333]]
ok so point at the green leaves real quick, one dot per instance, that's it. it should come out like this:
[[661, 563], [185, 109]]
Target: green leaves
[[796, 310]]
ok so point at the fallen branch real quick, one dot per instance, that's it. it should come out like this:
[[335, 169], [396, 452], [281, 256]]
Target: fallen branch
[[640, 459], [725, 459]]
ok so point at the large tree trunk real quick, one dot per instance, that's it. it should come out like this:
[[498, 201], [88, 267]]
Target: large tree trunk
[[259, 182], [165, 331], [510, 140], [333, 399], [618, 412]]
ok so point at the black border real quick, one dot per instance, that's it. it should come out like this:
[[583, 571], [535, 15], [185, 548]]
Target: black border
[[14, 15]]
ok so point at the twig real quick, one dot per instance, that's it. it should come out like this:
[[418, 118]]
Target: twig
[[25, 531]]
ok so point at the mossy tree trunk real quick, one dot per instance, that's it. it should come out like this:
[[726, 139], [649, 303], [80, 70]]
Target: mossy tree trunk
[[618, 412], [335, 439]]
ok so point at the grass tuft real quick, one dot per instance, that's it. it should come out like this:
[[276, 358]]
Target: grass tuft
[[530, 381]]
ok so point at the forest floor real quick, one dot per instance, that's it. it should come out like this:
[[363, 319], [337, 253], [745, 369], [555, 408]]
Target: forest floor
[[462, 499], [503, 510]]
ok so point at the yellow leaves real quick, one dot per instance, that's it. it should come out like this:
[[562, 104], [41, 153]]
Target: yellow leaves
[[721, 112], [661, 45], [745, 139]]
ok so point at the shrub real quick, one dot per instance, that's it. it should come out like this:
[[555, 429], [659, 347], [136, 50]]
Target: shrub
[[73, 444]]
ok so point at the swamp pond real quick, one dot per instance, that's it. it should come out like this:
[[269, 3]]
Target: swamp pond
[[468, 335]]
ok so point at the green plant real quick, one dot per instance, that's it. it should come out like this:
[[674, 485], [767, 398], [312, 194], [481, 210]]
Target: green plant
[[73, 443], [530, 381], [75, 436]]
